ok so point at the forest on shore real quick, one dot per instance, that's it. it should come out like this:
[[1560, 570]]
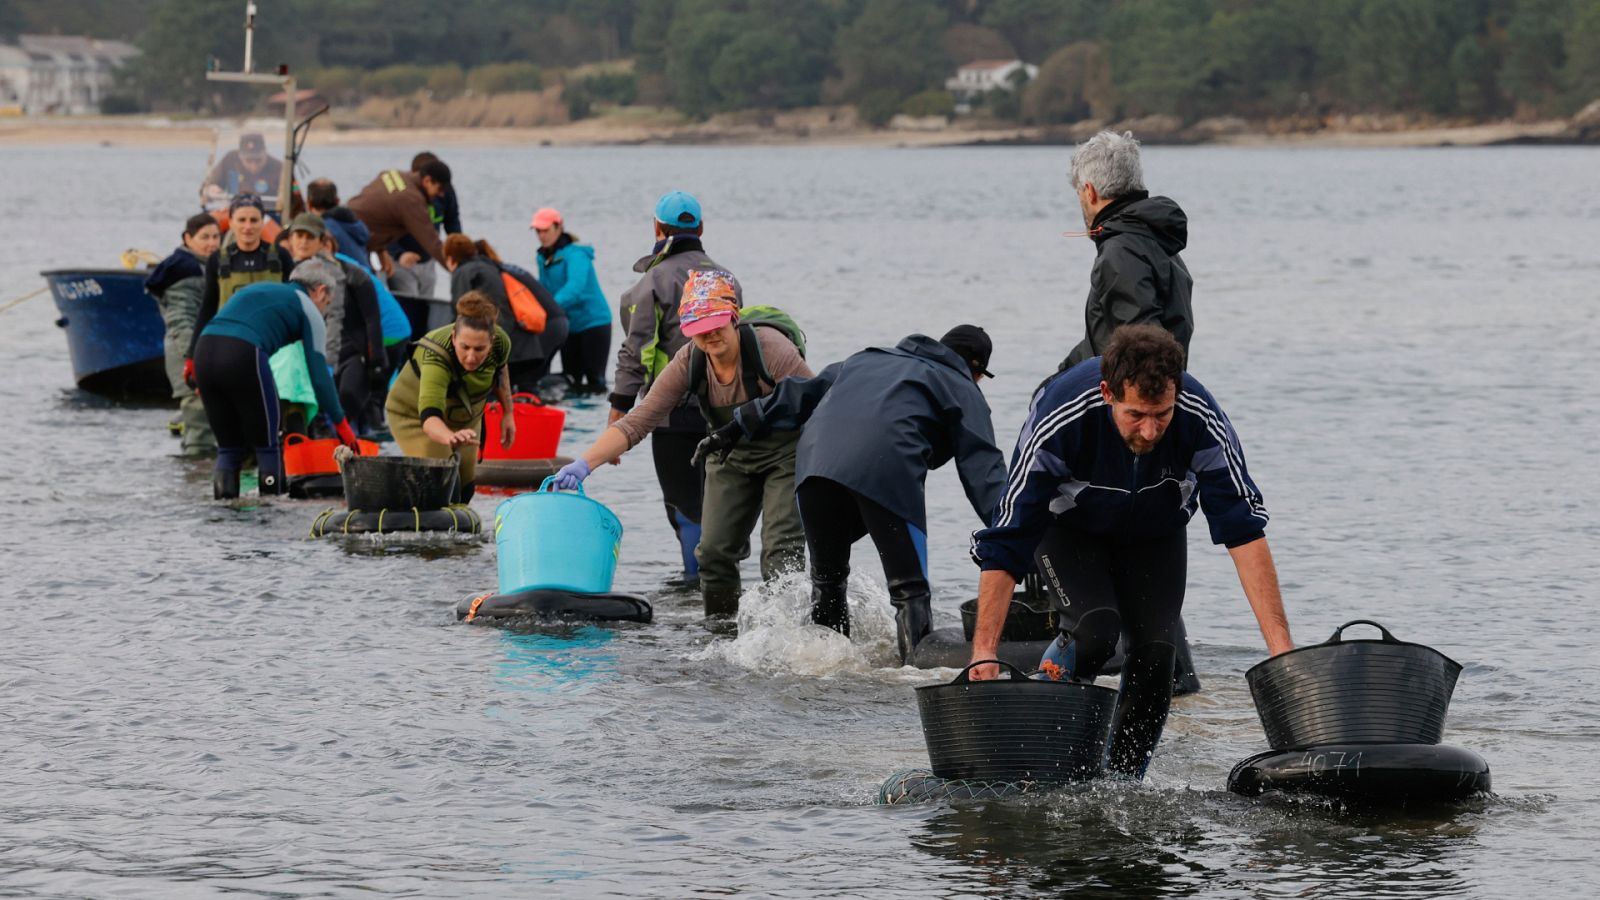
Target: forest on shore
[[1472, 60]]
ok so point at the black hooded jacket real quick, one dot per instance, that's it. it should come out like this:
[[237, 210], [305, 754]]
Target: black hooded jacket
[[1138, 276]]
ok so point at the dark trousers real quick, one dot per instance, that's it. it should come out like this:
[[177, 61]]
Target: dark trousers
[[1102, 587], [835, 517], [241, 400], [585, 357], [354, 391]]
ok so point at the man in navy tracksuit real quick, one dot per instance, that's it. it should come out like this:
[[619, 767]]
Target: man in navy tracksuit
[[1116, 454]]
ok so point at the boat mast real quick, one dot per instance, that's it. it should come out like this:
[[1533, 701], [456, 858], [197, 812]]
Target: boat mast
[[283, 79]]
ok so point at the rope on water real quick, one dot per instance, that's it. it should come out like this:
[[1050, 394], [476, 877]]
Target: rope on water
[[11, 304]]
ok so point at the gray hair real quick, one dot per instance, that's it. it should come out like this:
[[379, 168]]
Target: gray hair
[[317, 270], [1110, 162]]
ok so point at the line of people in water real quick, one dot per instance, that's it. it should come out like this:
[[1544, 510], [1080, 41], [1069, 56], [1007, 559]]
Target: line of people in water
[[1119, 449]]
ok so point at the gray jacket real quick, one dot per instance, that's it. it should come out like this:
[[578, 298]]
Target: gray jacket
[[879, 421], [649, 316], [1138, 276]]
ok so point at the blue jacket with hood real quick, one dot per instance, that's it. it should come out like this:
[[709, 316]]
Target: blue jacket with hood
[[879, 421], [568, 272]]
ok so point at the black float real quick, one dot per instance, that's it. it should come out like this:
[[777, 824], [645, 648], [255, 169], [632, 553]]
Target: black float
[[1361, 720]]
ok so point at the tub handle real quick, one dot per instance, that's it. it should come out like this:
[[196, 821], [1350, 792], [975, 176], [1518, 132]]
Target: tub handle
[[544, 486], [1016, 673], [1338, 633]]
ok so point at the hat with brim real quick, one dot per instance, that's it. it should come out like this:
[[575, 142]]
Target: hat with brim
[[972, 344], [310, 223], [710, 301], [544, 218]]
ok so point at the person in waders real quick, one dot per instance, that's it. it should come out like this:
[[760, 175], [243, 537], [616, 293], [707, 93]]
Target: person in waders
[[1116, 456], [727, 362], [178, 284], [871, 428], [435, 407]]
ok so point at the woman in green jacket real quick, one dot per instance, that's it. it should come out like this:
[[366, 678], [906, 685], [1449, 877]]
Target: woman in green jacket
[[435, 407]]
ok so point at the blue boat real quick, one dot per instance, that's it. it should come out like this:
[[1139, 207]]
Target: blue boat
[[114, 331]]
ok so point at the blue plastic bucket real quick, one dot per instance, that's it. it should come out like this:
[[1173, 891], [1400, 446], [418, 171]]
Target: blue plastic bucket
[[552, 540]]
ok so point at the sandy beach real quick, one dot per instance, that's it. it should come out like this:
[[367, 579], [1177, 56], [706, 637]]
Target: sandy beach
[[819, 127]]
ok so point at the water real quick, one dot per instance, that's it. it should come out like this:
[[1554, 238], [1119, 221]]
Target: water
[[199, 701]]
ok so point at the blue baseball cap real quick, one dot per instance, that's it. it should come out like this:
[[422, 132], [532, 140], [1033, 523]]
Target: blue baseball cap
[[678, 209]]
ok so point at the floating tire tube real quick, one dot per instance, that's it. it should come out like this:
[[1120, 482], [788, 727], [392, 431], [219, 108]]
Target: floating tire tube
[[948, 648], [922, 786], [569, 606], [1386, 773], [451, 519], [517, 472]]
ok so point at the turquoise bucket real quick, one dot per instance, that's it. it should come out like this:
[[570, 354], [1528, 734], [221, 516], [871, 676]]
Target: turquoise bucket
[[552, 540]]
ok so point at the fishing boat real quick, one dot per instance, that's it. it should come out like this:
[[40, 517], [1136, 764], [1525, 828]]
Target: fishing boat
[[113, 327], [114, 331]]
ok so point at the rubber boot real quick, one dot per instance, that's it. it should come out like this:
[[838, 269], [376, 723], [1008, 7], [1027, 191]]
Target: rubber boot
[[722, 601], [1141, 711], [688, 539], [1184, 678], [913, 614], [225, 484], [269, 466], [830, 606], [464, 494]]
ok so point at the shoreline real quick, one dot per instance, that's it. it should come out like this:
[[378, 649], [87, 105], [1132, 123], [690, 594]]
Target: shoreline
[[604, 131]]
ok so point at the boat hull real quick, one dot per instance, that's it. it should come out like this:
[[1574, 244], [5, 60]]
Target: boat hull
[[114, 332]]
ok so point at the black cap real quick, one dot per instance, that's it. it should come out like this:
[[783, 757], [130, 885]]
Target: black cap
[[253, 142], [972, 344]]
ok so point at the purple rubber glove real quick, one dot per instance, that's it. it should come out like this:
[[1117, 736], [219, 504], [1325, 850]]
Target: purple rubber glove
[[571, 475]]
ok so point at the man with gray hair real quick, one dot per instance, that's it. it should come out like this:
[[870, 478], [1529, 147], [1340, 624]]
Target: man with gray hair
[[1138, 276]]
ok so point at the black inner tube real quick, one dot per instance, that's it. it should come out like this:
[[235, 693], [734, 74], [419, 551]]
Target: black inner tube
[[568, 606], [1375, 773]]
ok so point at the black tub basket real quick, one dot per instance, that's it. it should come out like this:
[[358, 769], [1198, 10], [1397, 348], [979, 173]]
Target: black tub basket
[[1016, 729], [1383, 691], [1029, 619], [399, 482]]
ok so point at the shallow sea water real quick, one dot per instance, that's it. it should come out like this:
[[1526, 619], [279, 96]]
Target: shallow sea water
[[200, 701]]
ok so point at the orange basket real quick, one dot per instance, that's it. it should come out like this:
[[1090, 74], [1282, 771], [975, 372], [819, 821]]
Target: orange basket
[[303, 456]]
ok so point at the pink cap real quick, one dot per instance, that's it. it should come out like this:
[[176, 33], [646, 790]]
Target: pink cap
[[544, 218], [710, 301]]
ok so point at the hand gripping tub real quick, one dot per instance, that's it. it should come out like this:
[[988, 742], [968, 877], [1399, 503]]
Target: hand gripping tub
[[555, 540]]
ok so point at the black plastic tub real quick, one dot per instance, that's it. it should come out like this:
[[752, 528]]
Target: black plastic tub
[[1383, 691], [1015, 729], [1025, 621], [399, 482]]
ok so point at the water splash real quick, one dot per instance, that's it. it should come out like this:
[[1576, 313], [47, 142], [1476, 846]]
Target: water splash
[[777, 636]]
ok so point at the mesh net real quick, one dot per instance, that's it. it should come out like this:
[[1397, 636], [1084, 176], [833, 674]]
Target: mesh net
[[922, 786]]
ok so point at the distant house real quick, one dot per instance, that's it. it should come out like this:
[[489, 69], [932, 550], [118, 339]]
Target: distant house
[[984, 75], [59, 74]]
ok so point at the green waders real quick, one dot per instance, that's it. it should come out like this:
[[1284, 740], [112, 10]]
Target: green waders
[[179, 310], [755, 481]]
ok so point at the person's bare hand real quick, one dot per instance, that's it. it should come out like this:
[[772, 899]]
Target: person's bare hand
[[410, 258], [463, 437], [508, 431], [985, 672]]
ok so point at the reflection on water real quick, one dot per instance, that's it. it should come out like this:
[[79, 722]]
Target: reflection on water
[[1117, 840]]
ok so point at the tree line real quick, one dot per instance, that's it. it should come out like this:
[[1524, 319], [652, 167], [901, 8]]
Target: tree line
[[1101, 59]]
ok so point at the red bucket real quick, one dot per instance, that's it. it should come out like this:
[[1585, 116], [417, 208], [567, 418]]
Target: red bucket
[[538, 429], [303, 456]]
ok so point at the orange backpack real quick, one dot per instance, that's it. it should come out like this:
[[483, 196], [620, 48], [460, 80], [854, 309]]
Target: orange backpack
[[524, 305]]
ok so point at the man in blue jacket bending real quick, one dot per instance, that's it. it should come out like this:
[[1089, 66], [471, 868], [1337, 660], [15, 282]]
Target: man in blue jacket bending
[[873, 426], [1114, 457]]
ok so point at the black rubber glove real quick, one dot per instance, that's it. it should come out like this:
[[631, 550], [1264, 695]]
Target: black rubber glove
[[722, 441]]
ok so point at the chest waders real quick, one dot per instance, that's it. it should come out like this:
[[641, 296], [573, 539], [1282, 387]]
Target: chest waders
[[230, 280], [755, 480], [466, 407]]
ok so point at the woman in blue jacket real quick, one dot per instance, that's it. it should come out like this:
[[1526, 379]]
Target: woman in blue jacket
[[566, 267]]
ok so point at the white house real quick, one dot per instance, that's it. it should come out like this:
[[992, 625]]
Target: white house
[[59, 74], [984, 75]]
